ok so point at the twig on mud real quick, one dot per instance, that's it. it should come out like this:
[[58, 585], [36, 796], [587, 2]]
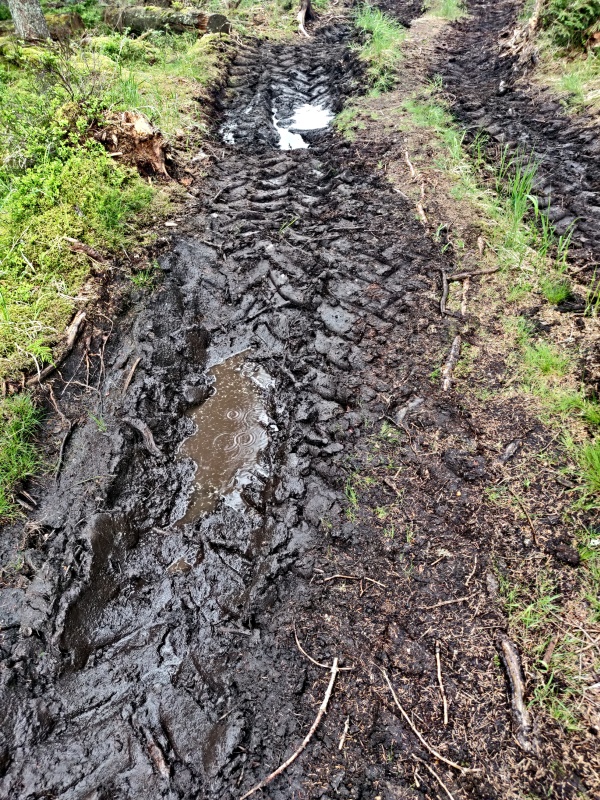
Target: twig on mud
[[448, 367], [444, 296], [353, 578], [344, 734], [421, 213], [461, 276], [129, 377], [438, 662], [80, 247], [306, 740], [468, 581], [428, 747], [524, 510], [447, 602], [521, 716], [413, 173], [312, 660], [435, 775], [61, 452], [72, 332], [147, 436]]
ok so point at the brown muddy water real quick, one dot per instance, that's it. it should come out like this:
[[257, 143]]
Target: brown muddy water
[[231, 432]]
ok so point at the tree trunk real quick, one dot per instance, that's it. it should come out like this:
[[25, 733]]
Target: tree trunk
[[29, 20], [145, 18]]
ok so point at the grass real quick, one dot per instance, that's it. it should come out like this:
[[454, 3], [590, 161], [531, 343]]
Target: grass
[[381, 48], [19, 419], [447, 9]]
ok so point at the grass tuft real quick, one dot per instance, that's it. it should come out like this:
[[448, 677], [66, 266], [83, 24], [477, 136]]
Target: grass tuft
[[381, 49], [19, 419]]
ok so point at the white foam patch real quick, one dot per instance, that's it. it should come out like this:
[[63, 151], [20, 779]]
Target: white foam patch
[[311, 118], [287, 139]]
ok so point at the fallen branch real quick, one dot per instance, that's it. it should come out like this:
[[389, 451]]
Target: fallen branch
[[307, 738], [521, 716], [447, 602], [129, 377], [438, 662], [465, 292], [81, 247], [344, 734], [448, 367], [413, 174], [147, 436], [72, 333], [444, 296], [461, 276], [428, 747]]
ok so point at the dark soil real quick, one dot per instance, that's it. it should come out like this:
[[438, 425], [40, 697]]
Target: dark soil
[[145, 658]]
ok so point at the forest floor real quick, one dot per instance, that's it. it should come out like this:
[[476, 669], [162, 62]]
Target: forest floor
[[333, 406]]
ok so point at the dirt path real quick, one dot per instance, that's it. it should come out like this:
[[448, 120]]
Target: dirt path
[[144, 657]]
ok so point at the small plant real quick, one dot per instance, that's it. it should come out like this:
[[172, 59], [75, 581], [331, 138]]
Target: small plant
[[146, 278], [555, 290], [19, 419], [588, 458], [389, 532], [381, 49], [571, 21], [543, 359], [100, 423]]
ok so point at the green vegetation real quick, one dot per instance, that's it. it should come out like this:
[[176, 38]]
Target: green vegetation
[[19, 419], [447, 9], [381, 49], [571, 22]]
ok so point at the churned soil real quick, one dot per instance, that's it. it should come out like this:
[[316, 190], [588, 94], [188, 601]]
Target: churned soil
[[145, 657]]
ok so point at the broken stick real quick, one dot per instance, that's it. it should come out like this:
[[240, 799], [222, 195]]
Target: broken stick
[[72, 333], [448, 367], [438, 662], [428, 747], [521, 717], [306, 740]]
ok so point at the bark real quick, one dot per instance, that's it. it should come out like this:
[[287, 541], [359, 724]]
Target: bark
[[145, 18], [29, 20]]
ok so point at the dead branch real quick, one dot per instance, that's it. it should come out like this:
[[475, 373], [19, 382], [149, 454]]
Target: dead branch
[[448, 367], [307, 738], [521, 717], [72, 333], [428, 747], [438, 662], [421, 213], [444, 296], [130, 375], [147, 436], [81, 247], [461, 276], [435, 775], [463, 302], [413, 174]]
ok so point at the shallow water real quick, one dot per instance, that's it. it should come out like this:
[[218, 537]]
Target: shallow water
[[231, 432]]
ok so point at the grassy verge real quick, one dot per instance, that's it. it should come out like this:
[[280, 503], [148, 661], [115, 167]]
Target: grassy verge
[[487, 217], [19, 419]]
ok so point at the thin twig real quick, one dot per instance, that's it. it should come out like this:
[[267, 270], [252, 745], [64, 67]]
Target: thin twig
[[461, 276], [312, 660], [438, 662], [448, 367], [129, 377], [344, 734], [524, 510], [444, 296], [433, 752], [422, 214], [447, 602], [72, 332], [435, 775], [468, 581], [353, 578], [413, 174], [465, 292], [306, 740]]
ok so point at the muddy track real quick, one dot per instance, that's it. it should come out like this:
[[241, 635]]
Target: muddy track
[[491, 95], [143, 657]]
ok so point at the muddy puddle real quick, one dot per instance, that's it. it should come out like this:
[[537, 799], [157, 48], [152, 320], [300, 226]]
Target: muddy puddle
[[231, 433]]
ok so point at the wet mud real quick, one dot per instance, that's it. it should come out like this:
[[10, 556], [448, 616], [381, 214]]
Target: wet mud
[[492, 95], [148, 646]]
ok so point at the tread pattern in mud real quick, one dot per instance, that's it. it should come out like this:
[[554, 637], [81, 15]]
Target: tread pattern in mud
[[489, 97]]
